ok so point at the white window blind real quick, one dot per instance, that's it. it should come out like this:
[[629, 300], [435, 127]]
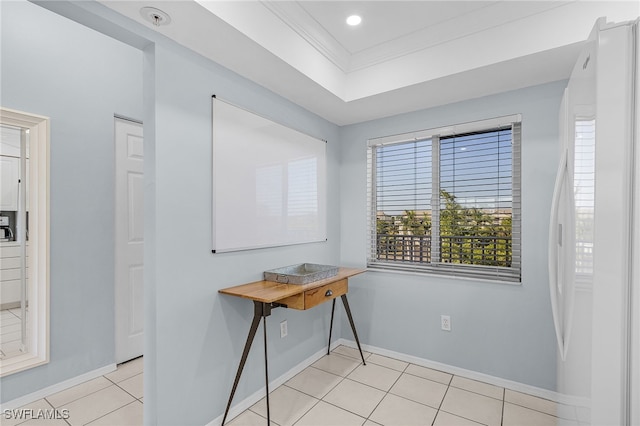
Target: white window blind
[[447, 200], [584, 195]]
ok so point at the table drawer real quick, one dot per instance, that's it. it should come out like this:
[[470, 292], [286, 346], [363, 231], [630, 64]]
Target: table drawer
[[316, 296], [322, 294]]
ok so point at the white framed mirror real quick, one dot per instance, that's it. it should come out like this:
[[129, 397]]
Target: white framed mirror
[[24, 240]]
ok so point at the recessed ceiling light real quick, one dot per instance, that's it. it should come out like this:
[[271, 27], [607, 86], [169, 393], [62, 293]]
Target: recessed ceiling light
[[354, 20], [156, 16]]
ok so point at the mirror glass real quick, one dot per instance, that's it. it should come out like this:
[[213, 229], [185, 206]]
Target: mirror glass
[[14, 300]]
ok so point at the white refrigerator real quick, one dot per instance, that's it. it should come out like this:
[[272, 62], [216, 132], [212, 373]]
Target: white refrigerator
[[594, 250]]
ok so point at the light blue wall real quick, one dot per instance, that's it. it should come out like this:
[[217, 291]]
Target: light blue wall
[[200, 334], [194, 335], [79, 78], [498, 329]]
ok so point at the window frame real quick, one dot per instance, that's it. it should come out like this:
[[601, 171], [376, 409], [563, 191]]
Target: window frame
[[39, 238], [510, 274]]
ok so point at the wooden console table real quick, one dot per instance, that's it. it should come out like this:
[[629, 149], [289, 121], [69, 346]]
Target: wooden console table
[[267, 295]]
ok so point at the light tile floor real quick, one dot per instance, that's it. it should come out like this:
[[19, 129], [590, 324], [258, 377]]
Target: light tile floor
[[114, 399], [10, 333], [336, 390]]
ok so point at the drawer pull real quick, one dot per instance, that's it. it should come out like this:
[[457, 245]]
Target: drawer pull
[[328, 293]]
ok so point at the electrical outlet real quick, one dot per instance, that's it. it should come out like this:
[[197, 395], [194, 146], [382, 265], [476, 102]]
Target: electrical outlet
[[283, 329], [445, 322]]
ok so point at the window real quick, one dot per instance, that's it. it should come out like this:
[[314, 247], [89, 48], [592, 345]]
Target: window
[[447, 200], [584, 194]]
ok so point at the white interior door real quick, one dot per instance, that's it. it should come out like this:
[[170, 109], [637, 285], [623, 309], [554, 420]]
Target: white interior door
[[129, 239]]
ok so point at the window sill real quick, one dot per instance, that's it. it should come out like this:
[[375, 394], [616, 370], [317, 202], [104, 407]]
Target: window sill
[[432, 274]]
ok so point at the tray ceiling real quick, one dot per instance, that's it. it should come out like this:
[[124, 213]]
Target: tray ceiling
[[406, 55]]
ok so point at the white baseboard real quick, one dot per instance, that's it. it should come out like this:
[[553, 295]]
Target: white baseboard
[[241, 406], [469, 374], [50, 390]]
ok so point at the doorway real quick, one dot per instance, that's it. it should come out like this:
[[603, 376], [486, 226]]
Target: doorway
[[129, 239]]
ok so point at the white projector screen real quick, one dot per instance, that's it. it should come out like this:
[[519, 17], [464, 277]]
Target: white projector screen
[[269, 182]]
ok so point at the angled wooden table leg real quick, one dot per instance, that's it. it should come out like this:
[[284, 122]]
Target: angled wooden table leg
[[261, 311]]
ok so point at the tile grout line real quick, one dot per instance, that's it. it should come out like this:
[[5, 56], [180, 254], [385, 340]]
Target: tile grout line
[[106, 414], [467, 418], [386, 393], [533, 409], [408, 399], [304, 393], [504, 394], [305, 413], [476, 393], [504, 402], [52, 407], [322, 397], [449, 385], [442, 400], [127, 378], [129, 393], [344, 409], [343, 378], [91, 393], [364, 384], [84, 395], [404, 371], [418, 402]]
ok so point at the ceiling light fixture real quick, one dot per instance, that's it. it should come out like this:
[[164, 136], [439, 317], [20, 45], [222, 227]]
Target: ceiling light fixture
[[354, 20], [155, 16]]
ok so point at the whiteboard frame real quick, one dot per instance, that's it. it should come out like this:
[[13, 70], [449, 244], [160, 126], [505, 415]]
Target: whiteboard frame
[[322, 187]]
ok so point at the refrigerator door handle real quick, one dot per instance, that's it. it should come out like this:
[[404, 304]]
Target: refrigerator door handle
[[560, 238], [555, 284]]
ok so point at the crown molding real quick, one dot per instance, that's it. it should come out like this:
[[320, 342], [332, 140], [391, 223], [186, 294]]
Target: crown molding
[[299, 20], [257, 40], [474, 22]]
